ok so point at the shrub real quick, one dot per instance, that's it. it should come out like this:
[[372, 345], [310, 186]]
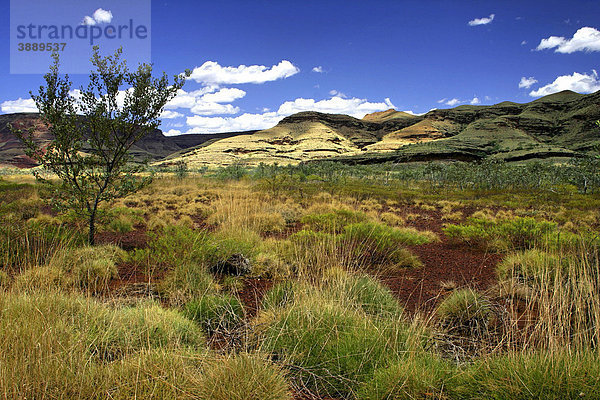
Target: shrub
[[333, 222], [187, 281], [371, 296], [516, 233], [215, 312], [242, 377], [280, 295], [465, 311], [535, 375], [420, 376], [374, 243], [91, 267], [330, 349], [529, 265]]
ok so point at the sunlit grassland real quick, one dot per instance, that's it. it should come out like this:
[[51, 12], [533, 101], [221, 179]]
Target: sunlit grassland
[[328, 326]]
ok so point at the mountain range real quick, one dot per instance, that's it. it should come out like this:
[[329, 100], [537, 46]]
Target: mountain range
[[558, 126]]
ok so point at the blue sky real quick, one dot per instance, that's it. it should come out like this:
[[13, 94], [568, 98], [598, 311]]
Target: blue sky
[[255, 62]]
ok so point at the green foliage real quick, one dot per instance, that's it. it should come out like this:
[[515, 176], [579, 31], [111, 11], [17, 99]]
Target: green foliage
[[243, 376], [530, 265], [378, 244], [422, 376], [536, 375], [329, 348], [187, 281], [464, 311], [107, 130], [333, 222], [280, 295], [215, 312], [116, 333], [515, 233], [91, 267], [370, 295]]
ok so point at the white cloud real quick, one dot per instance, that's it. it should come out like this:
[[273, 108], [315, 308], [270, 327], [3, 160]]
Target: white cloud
[[172, 132], [475, 100], [334, 92], [210, 108], [482, 21], [581, 83], [167, 114], [585, 39], [453, 102], [442, 100], [100, 16], [18, 106], [524, 42], [225, 95], [527, 82], [335, 105], [212, 73], [318, 69]]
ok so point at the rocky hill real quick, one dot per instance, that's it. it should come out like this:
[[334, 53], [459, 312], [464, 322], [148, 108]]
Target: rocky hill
[[553, 127], [155, 146]]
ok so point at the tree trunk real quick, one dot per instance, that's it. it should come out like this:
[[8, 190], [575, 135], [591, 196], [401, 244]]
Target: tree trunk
[[92, 231]]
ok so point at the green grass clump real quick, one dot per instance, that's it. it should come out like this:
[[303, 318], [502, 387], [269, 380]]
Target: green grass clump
[[145, 326], [241, 377], [378, 244], [187, 281], [370, 295], [530, 265], [280, 295], [330, 348], [465, 311], [56, 345], [536, 375], [92, 267], [215, 312], [332, 222], [517, 233], [421, 376]]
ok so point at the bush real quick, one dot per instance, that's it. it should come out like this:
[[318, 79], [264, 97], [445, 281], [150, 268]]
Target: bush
[[421, 376], [333, 222], [215, 312], [371, 296], [530, 265], [378, 244], [115, 333], [465, 311], [187, 281], [537, 375], [242, 377], [280, 295], [91, 267], [516, 233], [330, 349]]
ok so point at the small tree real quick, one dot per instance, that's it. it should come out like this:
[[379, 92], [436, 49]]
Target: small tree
[[93, 132]]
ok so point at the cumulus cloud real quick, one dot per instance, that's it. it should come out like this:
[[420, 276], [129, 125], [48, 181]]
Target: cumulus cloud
[[585, 39], [482, 21], [318, 69], [168, 114], [475, 100], [225, 95], [581, 83], [248, 121], [453, 102], [212, 73], [527, 82], [18, 106], [100, 16], [207, 100]]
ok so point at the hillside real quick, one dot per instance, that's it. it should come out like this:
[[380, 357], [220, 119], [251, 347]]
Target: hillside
[[155, 146], [557, 126]]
